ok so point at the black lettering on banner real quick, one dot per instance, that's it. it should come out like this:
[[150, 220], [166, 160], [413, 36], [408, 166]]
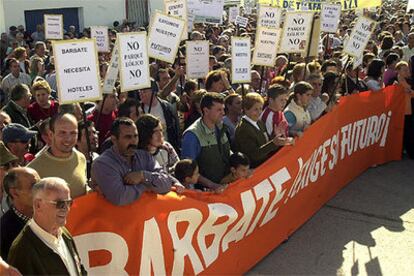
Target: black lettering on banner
[[198, 49], [299, 21], [270, 14], [295, 41], [135, 73], [133, 45], [356, 45]]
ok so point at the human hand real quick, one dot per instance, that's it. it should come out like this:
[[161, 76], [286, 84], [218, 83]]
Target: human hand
[[279, 131], [179, 71], [134, 178], [282, 141], [178, 188], [220, 189]]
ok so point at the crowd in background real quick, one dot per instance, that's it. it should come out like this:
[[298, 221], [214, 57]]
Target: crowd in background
[[179, 133]]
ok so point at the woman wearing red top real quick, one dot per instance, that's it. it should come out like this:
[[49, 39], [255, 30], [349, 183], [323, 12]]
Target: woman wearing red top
[[43, 107]]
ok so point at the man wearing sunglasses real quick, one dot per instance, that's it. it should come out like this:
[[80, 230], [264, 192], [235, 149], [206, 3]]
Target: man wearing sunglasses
[[18, 183], [44, 246]]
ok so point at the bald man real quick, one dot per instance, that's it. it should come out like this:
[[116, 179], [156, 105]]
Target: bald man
[[18, 183], [44, 246], [62, 159]]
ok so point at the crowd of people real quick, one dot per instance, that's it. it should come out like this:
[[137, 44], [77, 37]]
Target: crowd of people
[[177, 134]]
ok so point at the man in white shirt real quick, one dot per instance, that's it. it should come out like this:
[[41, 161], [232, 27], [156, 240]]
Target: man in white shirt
[[44, 246], [408, 50]]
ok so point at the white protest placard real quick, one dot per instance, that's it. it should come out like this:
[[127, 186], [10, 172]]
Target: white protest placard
[[296, 32], [112, 72], [210, 11], [269, 17], [164, 37], [330, 16], [197, 59], [178, 8], [233, 13], [53, 26], [241, 21], [359, 37], [133, 61], [240, 60], [100, 33], [266, 44], [410, 5], [77, 71]]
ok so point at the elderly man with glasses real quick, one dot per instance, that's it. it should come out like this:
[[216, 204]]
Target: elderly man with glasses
[[44, 246]]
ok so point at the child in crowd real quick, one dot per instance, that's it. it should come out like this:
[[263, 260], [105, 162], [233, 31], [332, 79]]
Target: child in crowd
[[239, 168], [186, 171]]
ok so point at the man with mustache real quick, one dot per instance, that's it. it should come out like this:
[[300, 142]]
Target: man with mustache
[[123, 172]]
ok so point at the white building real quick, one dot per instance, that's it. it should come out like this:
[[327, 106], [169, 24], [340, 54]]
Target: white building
[[81, 13]]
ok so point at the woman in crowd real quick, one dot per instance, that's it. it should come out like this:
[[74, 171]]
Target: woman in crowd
[[404, 79], [390, 73], [217, 81], [37, 68], [273, 115], [43, 107], [374, 79], [251, 136], [151, 139], [296, 114], [21, 55]]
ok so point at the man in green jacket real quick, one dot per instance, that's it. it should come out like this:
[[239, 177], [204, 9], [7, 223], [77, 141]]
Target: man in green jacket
[[45, 247]]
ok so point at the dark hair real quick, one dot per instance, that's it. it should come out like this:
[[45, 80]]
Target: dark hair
[[146, 125], [18, 91], [212, 77], [81, 127], [208, 100], [375, 69], [302, 87], [276, 90], [391, 58], [10, 61], [10, 180], [229, 100], [328, 82], [326, 64], [387, 42], [58, 117], [238, 159], [116, 125], [189, 86], [124, 109], [184, 168]]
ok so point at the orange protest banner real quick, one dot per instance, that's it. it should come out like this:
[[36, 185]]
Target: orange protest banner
[[204, 233]]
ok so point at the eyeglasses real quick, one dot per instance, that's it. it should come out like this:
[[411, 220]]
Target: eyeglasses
[[61, 204]]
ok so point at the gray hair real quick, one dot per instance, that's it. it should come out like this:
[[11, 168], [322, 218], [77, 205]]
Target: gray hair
[[49, 184]]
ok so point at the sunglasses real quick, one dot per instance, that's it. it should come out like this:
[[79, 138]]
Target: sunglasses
[[60, 204]]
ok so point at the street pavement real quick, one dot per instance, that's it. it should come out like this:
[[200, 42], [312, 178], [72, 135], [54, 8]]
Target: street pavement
[[366, 229]]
